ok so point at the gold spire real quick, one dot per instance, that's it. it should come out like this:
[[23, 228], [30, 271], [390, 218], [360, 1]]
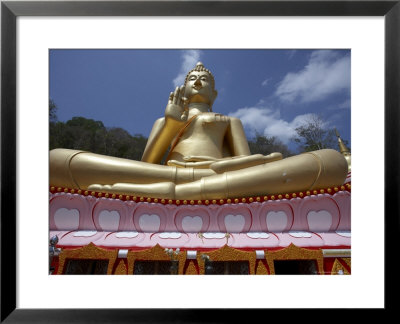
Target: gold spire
[[344, 150]]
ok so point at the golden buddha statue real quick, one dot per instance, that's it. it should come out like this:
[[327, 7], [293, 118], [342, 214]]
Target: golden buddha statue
[[209, 157]]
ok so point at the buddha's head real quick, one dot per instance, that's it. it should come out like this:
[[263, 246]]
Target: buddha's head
[[200, 85]]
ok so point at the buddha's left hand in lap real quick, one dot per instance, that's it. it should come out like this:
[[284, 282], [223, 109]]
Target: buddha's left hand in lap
[[225, 164]]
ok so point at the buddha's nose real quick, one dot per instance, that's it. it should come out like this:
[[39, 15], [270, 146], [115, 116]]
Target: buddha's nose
[[197, 82]]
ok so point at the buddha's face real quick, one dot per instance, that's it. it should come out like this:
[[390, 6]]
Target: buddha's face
[[199, 89]]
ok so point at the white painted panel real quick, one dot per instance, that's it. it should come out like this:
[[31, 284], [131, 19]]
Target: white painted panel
[[149, 223], [67, 219], [276, 221], [319, 220], [109, 220], [234, 223], [192, 224]]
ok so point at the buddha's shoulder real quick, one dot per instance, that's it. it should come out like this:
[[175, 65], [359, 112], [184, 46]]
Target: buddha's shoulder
[[159, 120]]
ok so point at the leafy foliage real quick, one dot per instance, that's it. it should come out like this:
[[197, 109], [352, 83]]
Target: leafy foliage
[[81, 133], [52, 111], [265, 145], [313, 135]]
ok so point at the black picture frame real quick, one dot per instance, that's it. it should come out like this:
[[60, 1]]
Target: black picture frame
[[10, 10]]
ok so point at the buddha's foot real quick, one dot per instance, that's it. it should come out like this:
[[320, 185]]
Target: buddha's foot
[[244, 162], [154, 190], [276, 156]]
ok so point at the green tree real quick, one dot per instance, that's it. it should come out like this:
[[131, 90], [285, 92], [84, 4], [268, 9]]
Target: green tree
[[52, 111], [314, 135], [80, 133], [265, 145], [86, 134], [118, 142]]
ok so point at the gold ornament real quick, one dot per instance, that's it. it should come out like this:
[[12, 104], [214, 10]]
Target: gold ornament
[[156, 253], [293, 252], [88, 252], [227, 253]]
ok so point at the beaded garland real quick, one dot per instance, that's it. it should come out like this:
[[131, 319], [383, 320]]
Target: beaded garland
[[302, 194]]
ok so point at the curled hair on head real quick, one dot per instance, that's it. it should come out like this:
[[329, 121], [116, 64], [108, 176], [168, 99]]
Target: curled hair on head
[[200, 68]]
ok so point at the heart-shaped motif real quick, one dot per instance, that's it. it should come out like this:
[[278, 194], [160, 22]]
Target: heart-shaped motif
[[109, 220], [234, 223], [277, 221], [319, 221], [192, 224], [67, 219], [149, 223]]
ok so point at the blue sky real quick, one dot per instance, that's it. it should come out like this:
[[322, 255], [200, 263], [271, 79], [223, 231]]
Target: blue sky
[[271, 91]]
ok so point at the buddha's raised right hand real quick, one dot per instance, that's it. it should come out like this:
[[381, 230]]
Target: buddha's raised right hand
[[177, 105]]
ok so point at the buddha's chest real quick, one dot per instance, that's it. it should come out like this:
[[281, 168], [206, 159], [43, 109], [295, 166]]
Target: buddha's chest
[[209, 124]]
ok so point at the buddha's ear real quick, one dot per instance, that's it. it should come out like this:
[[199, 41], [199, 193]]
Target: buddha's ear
[[214, 96]]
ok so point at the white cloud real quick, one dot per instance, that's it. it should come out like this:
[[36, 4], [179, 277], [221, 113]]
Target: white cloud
[[268, 122], [325, 74], [266, 82], [345, 105], [189, 60], [291, 53]]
